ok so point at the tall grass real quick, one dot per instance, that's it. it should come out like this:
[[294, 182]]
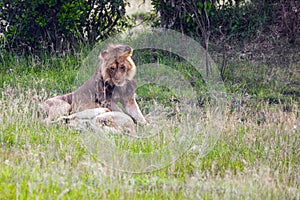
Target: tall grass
[[255, 157]]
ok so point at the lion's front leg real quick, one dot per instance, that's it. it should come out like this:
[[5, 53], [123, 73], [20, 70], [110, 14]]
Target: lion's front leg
[[115, 107], [134, 111]]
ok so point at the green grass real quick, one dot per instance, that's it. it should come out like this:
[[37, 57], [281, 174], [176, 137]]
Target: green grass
[[256, 155], [272, 83]]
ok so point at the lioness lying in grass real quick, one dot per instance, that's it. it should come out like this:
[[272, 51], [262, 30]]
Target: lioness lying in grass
[[98, 119]]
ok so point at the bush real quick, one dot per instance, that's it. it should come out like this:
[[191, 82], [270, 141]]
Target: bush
[[58, 25], [237, 19]]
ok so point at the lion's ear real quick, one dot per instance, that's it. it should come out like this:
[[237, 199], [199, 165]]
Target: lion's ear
[[128, 51], [103, 55]]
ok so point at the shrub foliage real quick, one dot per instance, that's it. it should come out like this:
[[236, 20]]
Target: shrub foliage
[[58, 24], [238, 19]]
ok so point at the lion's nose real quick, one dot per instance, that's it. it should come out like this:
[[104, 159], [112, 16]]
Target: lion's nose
[[119, 83]]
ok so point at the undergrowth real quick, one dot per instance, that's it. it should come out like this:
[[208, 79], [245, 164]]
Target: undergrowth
[[256, 154]]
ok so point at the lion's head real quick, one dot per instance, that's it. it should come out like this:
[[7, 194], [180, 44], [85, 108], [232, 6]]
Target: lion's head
[[117, 65]]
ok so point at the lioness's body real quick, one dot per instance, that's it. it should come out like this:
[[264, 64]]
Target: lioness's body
[[100, 119], [112, 82]]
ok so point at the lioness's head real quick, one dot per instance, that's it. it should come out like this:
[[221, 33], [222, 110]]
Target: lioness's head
[[117, 65]]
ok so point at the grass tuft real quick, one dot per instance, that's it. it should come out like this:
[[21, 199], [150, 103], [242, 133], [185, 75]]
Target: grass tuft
[[256, 155]]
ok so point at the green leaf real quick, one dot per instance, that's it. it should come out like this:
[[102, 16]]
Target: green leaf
[[188, 19], [200, 11], [200, 5], [207, 5]]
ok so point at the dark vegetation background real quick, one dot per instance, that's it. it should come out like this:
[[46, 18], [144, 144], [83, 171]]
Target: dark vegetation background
[[261, 38], [33, 26]]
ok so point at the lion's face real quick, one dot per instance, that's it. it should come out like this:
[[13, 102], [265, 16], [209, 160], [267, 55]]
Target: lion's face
[[117, 65]]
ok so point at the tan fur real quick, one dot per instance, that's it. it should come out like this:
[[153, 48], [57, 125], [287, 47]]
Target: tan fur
[[112, 82], [116, 121], [100, 119]]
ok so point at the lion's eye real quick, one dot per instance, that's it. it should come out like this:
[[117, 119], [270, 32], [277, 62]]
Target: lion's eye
[[122, 67], [112, 69]]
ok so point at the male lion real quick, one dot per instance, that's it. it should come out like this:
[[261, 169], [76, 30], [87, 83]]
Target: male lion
[[112, 82]]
